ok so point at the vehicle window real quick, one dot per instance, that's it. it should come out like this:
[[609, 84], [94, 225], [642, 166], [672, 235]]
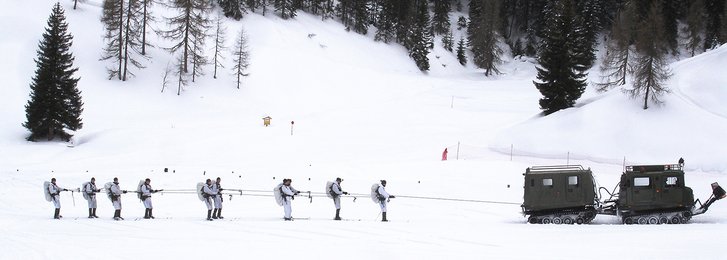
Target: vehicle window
[[641, 182], [572, 180], [547, 182], [671, 181]]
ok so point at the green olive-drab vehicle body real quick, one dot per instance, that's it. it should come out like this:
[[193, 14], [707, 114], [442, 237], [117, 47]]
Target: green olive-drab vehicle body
[[647, 194], [654, 194], [559, 194]]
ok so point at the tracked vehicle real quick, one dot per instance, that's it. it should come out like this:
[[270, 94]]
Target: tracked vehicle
[[559, 195], [647, 194], [656, 194]]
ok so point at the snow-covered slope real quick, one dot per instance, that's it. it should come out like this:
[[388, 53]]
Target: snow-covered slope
[[611, 127], [363, 112]]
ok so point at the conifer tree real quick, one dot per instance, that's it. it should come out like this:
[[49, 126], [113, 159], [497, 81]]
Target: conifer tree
[[440, 19], [386, 22], [461, 52], [559, 80], [694, 28], [231, 8], [147, 18], [615, 66], [419, 39], [714, 10], [241, 57], [122, 21], [55, 104], [285, 8], [483, 35], [189, 25], [360, 17], [650, 66], [447, 41], [219, 45]]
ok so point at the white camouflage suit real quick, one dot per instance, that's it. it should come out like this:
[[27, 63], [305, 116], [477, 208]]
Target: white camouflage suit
[[55, 192], [90, 190], [208, 190], [216, 187], [385, 195], [146, 191], [336, 188], [116, 196], [288, 192]]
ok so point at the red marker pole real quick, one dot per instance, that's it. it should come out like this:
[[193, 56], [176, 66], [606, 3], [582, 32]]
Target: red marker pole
[[292, 123]]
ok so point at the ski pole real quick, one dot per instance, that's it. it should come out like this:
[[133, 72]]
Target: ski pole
[[74, 199]]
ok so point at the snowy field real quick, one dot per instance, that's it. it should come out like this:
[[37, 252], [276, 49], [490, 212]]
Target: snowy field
[[362, 112]]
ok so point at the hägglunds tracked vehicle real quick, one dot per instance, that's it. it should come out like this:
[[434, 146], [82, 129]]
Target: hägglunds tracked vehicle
[[559, 195], [647, 194]]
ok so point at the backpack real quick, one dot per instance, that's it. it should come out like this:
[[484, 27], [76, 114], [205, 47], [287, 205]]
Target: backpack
[[138, 189], [200, 191], [84, 191], [329, 190], [375, 195], [46, 191], [109, 194], [278, 194]]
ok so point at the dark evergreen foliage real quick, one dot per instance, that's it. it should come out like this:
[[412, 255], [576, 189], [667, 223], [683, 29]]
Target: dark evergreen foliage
[[714, 10], [558, 80], [440, 19], [285, 8], [694, 28], [448, 41], [387, 21], [483, 35], [419, 38], [232, 8], [55, 104], [461, 52]]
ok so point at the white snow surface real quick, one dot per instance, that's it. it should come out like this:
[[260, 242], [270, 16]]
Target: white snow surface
[[363, 112]]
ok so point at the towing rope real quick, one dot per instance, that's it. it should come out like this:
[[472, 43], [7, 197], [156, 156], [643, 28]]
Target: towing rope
[[311, 195]]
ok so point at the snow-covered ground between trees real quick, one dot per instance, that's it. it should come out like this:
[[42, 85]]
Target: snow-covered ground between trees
[[363, 112]]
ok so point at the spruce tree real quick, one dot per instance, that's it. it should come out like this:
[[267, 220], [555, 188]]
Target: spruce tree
[[461, 52], [483, 36], [447, 41], [694, 28], [559, 80], [285, 8], [650, 66], [231, 8], [241, 57], [440, 19], [386, 22], [55, 104], [714, 14], [360, 17], [419, 40]]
